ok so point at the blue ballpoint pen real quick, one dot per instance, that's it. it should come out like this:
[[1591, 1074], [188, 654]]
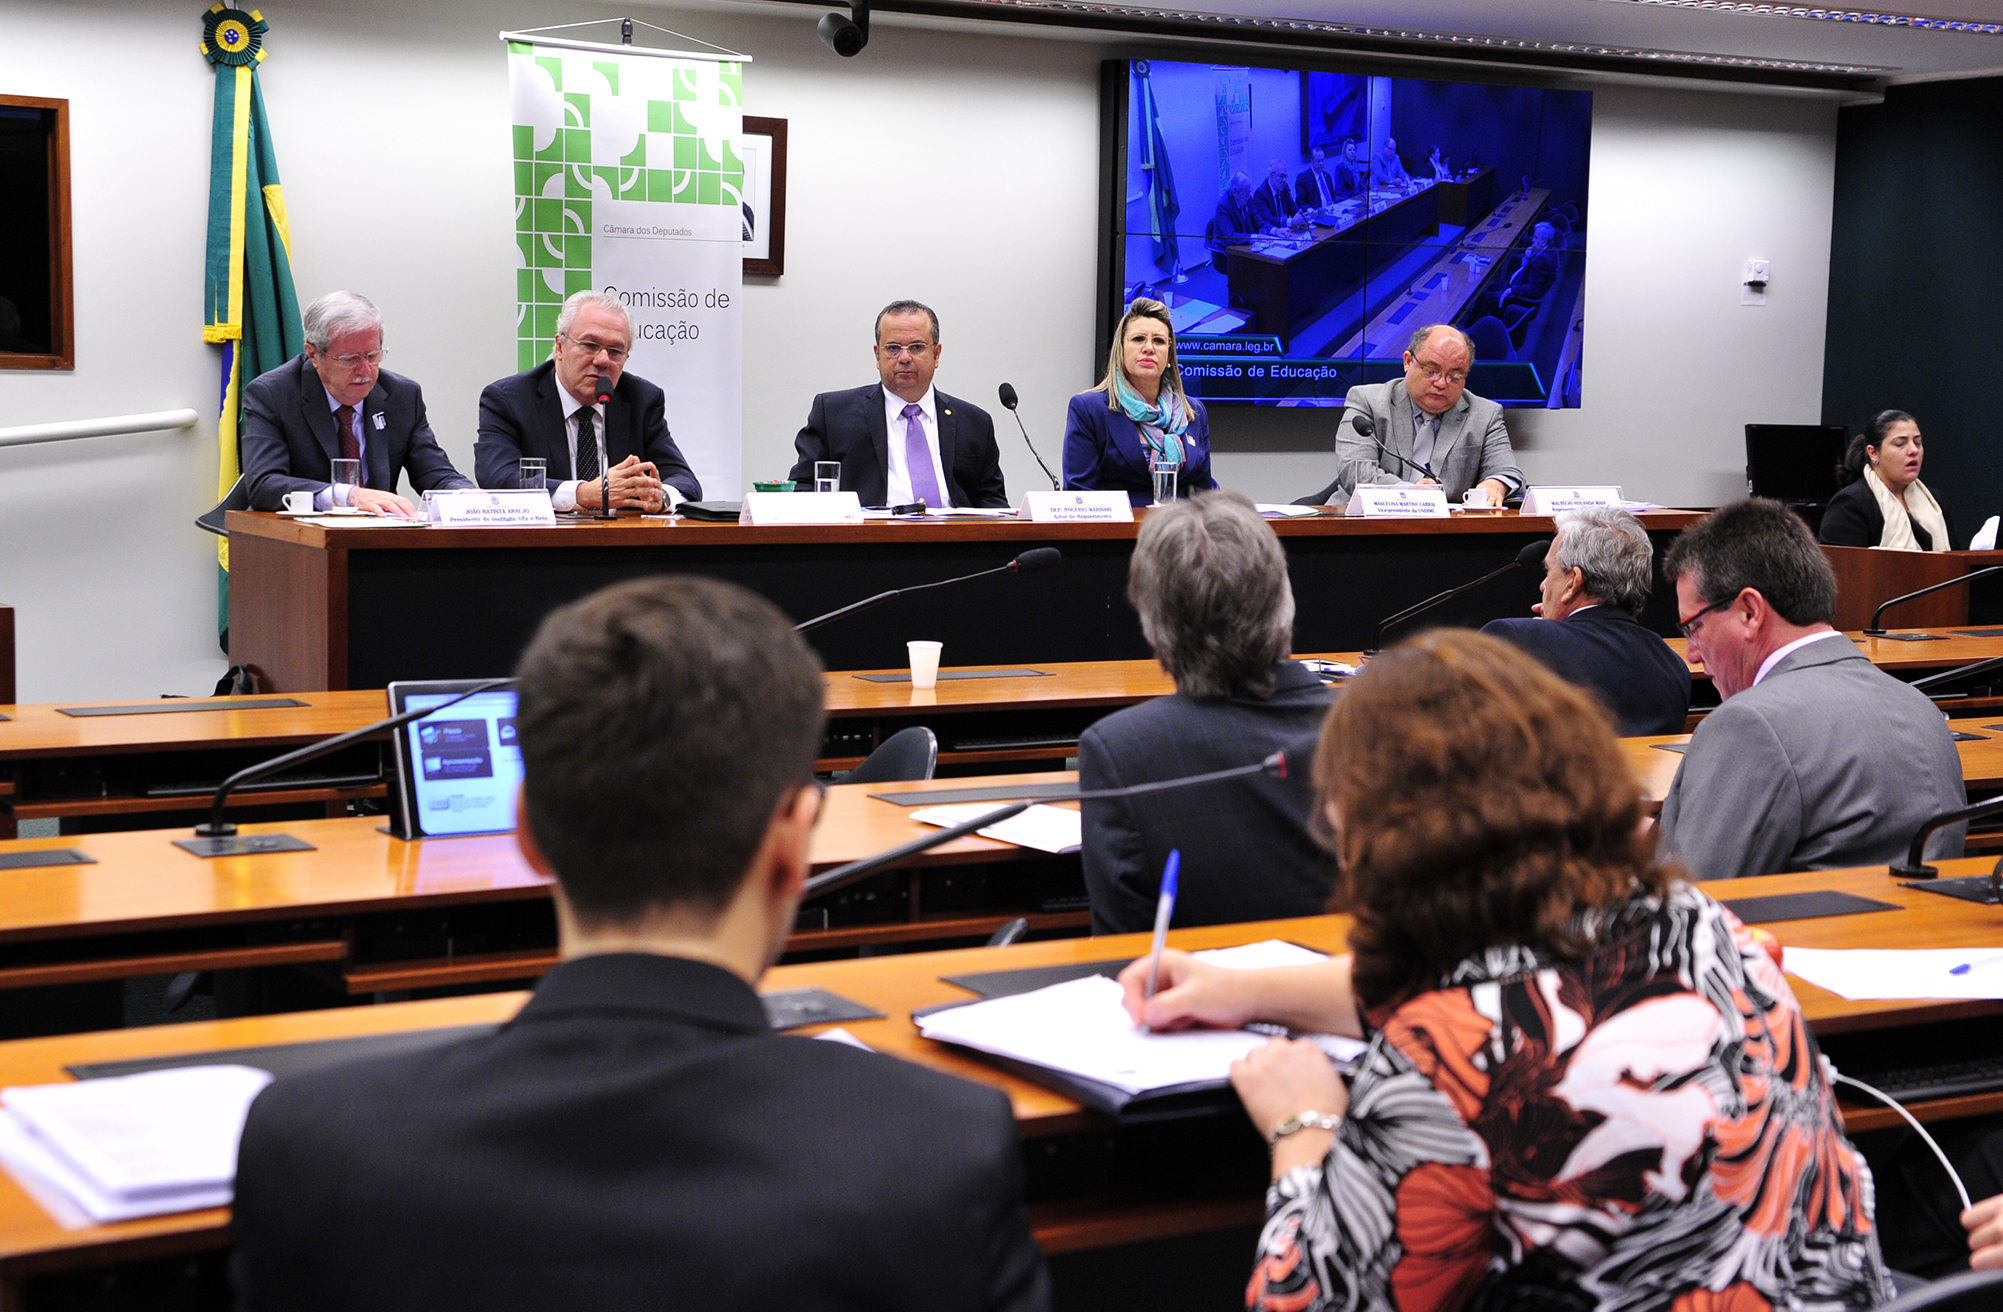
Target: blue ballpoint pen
[[1967, 966], [1164, 908]]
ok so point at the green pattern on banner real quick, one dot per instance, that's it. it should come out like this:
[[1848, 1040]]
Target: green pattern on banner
[[558, 178]]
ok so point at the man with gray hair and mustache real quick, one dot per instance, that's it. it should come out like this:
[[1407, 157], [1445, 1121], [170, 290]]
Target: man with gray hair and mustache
[[335, 401], [553, 411], [1596, 579]]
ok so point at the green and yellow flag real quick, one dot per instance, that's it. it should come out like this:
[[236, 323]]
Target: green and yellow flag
[[252, 312]]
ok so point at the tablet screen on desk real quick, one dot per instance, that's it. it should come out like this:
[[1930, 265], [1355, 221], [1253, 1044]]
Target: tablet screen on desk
[[457, 770]]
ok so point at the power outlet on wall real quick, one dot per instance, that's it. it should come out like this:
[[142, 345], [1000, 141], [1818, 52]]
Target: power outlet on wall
[[1753, 287]]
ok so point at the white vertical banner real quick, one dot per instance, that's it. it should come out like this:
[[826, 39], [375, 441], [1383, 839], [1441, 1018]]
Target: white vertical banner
[[629, 178]]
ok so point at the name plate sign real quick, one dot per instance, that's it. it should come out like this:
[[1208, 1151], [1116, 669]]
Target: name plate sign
[[478, 508], [770, 508], [1552, 500], [1399, 503], [1077, 508]]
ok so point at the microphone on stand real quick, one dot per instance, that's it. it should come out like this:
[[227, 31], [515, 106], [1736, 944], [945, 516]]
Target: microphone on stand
[[1008, 400], [1873, 631], [1364, 428], [1029, 562], [604, 465], [841, 877], [1531, 555]]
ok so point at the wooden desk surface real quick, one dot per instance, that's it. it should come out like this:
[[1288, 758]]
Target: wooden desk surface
[[635, 530], [1981, 760], [142, 882], [42, 730], [31, 1241]]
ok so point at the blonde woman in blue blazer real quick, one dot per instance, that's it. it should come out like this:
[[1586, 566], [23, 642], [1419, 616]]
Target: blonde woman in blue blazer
[[1139, 409]]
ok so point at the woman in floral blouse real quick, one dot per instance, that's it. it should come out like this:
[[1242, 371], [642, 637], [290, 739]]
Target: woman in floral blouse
[[1587, 1087]]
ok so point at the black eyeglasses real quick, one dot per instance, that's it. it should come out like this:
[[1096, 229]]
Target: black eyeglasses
[[1685, 626]]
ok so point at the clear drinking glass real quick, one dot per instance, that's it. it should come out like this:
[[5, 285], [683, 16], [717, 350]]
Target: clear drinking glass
[[827, 476], [1163, 472], [534, 474], [347, 477]]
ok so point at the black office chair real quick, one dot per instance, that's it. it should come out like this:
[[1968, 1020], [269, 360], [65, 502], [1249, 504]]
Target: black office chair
[[1491, 339], [238, 499], [1971, 1291], [906, 755]]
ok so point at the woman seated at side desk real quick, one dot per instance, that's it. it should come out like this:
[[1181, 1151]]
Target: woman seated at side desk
[[1585, 1078], [1887, 506], [1138, 413]]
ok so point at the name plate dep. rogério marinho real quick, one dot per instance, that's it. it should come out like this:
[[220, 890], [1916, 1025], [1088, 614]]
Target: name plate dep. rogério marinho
[[1077, 508]]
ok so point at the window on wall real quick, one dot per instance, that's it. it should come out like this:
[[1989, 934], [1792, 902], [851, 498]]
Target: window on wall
[[36, 309]]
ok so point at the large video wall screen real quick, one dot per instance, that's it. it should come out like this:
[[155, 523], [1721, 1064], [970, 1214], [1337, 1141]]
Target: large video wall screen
[[1301, 225]]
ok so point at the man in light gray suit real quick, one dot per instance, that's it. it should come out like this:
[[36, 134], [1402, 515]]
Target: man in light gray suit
[[1439, 432], [1817, 759]]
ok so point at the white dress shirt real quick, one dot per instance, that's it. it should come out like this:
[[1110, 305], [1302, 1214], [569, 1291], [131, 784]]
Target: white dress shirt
[[1796, 645], [897, 478], [564, 496]]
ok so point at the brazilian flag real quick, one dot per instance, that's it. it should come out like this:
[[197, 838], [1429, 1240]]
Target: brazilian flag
[[252, 312], [1162, 205]]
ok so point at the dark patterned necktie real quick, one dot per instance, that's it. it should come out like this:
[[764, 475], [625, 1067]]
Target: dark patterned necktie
[[351, 448], [587, 444]]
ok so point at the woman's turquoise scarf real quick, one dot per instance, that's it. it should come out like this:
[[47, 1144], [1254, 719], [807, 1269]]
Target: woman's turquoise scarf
[[1161, 425]]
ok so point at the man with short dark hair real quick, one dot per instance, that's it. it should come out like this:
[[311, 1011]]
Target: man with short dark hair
[[1437, 431], [1209, 579], [335, 401], [1273, 205], [900, 441], [1597, 575], [638, 1137], [1817, 759], [553, 412], [1317, 188]]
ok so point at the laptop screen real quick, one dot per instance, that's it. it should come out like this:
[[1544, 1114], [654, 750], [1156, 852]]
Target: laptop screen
[[461, 766]]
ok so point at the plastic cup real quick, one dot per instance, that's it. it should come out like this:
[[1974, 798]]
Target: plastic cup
[[827, 476], [347, 476], [1163, 472], [534, 474], [924, 663]]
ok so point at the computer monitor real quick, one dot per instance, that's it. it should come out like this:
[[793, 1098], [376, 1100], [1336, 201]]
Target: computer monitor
[[456, 771], [1795, 463]]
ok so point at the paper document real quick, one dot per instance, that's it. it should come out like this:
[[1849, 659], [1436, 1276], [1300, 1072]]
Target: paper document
[[1260, 956], [840, 1035], [1890, 974], [1288, 511], [361, 521], [1045, 828], [135, 1145]]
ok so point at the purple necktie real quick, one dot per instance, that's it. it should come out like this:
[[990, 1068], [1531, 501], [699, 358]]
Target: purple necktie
[[918, 459]]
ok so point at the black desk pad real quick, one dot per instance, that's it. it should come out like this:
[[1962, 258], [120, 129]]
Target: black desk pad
[[791, 1008], [1803, 906], [1062, 792], [1979, 633], [1008, 983], [176, 705], [259, 844], [1672, 747], [1912, 637], [958, 674], [54, 856], [283, 1059], [6, 717], [1961, 737], [1969, 888]]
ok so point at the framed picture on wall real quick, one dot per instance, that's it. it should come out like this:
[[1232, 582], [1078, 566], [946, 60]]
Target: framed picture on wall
[[765, 196]]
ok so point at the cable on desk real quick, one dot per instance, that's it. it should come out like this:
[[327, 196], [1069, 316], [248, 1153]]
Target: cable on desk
[[1894, 1104]]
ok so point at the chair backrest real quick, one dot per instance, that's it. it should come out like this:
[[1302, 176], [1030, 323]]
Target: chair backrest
[[1491, 339], [907, 755], [238, 499], [1971, 1291]]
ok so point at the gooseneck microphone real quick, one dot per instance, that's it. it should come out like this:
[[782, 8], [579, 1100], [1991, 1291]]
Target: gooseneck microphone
[[842, 876], [1364, 428], [1029, 562], [217, 828], [1874, 631], [1008, 400], [604, 463], [1531, 556]]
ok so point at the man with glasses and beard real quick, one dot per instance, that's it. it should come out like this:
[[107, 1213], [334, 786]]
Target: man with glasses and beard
[[552, 411]]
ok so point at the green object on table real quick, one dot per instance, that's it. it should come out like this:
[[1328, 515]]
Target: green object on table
[[786, 485]]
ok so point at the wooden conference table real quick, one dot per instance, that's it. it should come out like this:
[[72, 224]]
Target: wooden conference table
[[317, 608], [41, 1262]]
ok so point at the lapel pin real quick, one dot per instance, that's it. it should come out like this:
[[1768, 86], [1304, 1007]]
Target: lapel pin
[[380, 419], [947, 411]]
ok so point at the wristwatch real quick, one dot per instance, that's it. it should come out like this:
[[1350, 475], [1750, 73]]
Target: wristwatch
[[1304, 1121]]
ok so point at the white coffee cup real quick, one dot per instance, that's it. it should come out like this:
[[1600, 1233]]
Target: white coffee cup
[[299, 503], [924, 663], [1477, 498]]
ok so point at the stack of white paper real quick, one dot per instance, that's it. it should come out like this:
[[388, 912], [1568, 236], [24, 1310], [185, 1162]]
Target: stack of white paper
[[1080, 1028], [135, 1145], [1879, 974], [1045, 828]]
